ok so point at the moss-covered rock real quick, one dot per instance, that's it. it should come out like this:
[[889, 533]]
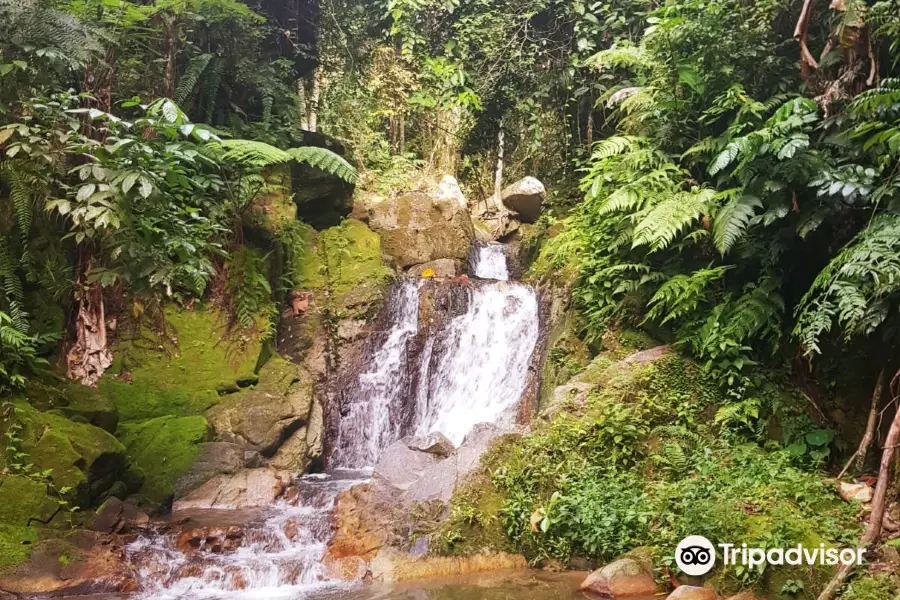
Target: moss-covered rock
[[351, 253], [85, 459], [180, 371], [77, 402], [163, 448], [274, 209], [24, 501], [15, 545]]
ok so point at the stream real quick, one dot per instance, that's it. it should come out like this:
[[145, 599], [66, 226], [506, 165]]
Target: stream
[[472, 370]]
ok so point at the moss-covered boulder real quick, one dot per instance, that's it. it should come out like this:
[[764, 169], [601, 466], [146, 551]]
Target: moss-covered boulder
[[163, 448], [274, 208], [179, 368], [79, 403], [15, 544], [79, 457], [356, 276], [26, 501]]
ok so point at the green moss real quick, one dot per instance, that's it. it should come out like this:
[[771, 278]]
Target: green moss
[[307, 267], [356, 275], [638, 462], [25, 501], [164, 448], [275, 208], [79, 456], [15, 545], [146, 382], [77, 402]]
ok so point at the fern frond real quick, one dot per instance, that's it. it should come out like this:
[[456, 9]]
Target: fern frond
[[663, 222], [730, 222], [325, 160], [188, 82]]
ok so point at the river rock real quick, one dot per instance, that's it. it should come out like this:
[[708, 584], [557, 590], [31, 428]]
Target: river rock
[[416, 228], [442, 267], [630, 576], [692, 592], [400, 466], [247, 489], [525, 197], [100, 568], [261, 418], [115, 516], [210, 539]]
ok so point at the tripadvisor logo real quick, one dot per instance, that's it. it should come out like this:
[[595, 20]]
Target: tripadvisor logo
[[696, 555]]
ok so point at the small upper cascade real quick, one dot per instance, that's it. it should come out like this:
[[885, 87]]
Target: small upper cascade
[[489, 262]]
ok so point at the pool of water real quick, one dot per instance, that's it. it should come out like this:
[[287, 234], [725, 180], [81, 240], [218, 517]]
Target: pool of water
[[504, 585]]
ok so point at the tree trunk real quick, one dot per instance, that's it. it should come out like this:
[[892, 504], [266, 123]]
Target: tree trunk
[[402, 133], [860, 455], [171, 28], [89, 356], [498, 172], [873, 420], [304, 107], [314, 99], [878, 500]]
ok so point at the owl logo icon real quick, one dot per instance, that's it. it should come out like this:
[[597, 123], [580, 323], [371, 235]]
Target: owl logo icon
[[695, 555]]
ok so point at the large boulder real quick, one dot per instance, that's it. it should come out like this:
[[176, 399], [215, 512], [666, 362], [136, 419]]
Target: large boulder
[[262, 417], [164, 449], [416, 228], [79, 457], [525, 197], [630, 576]]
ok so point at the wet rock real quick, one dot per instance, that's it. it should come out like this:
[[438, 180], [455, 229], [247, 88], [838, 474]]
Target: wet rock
[[115, 516], [856, 492], [442, 267], [691, 592], [350, 568], [247, 489], [525, 197], [214, 458], [210, 539], [349, 330], [630, 576], [400, 466], [416, 228], [433, 443], [293, 455], [100, 568]]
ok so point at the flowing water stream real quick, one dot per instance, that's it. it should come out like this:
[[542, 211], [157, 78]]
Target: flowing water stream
[[471, 370]]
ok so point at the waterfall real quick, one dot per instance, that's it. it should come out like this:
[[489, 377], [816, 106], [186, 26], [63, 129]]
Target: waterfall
[[463, 362], [490, 262], [484, 355], [370, 423]]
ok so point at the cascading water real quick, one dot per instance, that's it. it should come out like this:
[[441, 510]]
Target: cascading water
[[275, 552], [467, 370], [490, 262]]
